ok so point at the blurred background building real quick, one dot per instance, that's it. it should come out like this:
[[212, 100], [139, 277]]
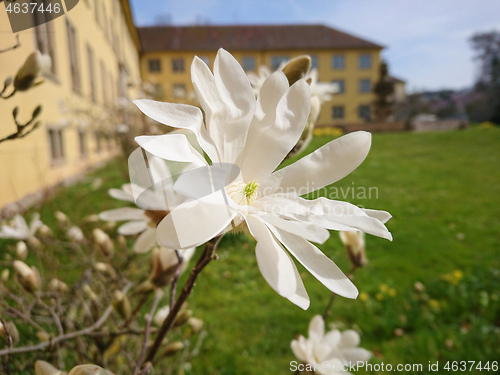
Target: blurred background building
[[350, 61], [95, 67]]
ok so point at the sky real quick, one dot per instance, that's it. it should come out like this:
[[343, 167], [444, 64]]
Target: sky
[[426, 40]]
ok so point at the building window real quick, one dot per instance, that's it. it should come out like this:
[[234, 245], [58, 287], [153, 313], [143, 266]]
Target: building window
[[179, 90], [314, 62], [178, 65], [338, 111], [338, 62], [276, 61], [90, 55], [365, 85], [82, 142], [73, 57], [45, 37], [154, 65], [205, 59], [364, 112], [341, 85], [56, 145], [365, 61], [249, 63]]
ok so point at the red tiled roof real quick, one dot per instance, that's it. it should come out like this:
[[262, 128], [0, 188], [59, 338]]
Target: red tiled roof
[[247, 38]]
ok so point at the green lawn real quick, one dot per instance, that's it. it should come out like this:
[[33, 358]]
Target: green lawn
[[443, 190]]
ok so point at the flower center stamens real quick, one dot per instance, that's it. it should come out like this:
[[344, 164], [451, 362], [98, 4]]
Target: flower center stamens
[[243, 194]]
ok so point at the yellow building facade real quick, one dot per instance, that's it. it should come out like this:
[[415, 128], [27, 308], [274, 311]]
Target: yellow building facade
[[353, 63], [95, 65]]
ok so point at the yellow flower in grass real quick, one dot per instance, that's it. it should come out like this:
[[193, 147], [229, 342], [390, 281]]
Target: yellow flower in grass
[[379, 296], [392, 292], [363, 296], [434, 303], [384, 288]]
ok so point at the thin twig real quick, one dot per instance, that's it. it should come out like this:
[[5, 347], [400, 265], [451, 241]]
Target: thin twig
[[68, 336], [176, 278], [332, 297], [206, 257], [55, 318], [149, 319]]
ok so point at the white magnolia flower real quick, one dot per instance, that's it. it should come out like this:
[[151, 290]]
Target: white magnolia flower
[[258, 79], [322, 90], [161, 315], [330, 352], [255, 135], [137, 219], [19, 230]]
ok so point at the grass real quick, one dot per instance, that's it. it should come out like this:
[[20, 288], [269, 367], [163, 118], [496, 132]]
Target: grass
[[443, 190]]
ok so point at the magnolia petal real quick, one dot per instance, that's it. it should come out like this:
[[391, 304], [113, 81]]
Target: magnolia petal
[[274, 264], [320, 266], [326, 165], [124, 213], [333, 338], [121, 195], [365, 224], [355, 355], [300, 297], [180, 116], [132, 227], [263, 153], [146, 241], [173, 147], [383, 216], [196, 222], [317, 327], [309, 231]]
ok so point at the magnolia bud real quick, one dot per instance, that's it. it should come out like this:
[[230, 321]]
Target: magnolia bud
[[354, 242], [172, 349], [91, 219], [297, 68], [121, 304], [103, 242], [89, 370], [28, 278], [165, 264], [9, 330], [161, 315], [196, 324], [105, 269], [43, 336], [4, 276], [61, 217], [34, 242], [182, 317], [122, 241], [89, 292], [21, 250], [56, 285], [45, 368], [75, 234], [35, 65], [45, 231]]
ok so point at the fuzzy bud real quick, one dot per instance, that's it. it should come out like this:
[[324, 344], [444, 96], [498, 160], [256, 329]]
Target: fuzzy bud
[[297, 68], [57, 285], [61, 217], [28, 278], [161, 315], [75, 234], [89, 370], [4, 276], [21, 250], [89, 292], [35, 65], [45, 368], [354, 242], [43, 336], [182, 317], [9, 329], [45, 231], [196, 324], [172, 349], [105, 269], [103, 242], [121, 304], [165, 264]]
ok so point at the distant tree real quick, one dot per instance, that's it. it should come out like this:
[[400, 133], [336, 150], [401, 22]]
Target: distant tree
[[383, 105], [487, 48]]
